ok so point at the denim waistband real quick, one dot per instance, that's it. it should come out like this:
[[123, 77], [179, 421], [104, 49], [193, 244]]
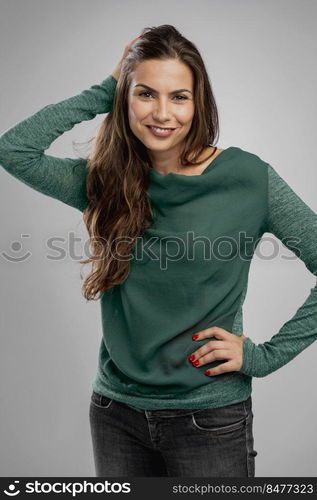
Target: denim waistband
[[184, 411]]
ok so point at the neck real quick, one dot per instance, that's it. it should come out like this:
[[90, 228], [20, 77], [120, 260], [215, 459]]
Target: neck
[[166, 161]]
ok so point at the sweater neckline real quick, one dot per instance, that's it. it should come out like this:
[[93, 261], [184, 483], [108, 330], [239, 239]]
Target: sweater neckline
[[155, 174]]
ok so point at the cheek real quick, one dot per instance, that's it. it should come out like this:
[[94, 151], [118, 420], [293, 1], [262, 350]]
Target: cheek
[[185, 115], [137, 111]]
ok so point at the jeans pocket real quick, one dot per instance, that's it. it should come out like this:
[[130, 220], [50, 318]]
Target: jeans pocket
[[100, 401], [220, 421]]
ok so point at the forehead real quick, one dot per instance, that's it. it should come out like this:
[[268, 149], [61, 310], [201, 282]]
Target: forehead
[[161, 74]]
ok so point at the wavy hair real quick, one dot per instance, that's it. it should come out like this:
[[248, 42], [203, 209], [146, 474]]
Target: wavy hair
[[118, 209]]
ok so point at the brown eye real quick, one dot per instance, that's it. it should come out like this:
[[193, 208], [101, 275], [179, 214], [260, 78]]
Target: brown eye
[[178, 95], [143, 93]]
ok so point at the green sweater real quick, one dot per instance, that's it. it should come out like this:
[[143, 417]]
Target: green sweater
[[193, 271]]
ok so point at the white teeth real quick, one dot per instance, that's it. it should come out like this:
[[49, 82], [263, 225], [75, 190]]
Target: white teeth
[[160, 129]]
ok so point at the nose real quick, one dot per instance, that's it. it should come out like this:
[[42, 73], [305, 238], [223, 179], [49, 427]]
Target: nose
[[161, 111]]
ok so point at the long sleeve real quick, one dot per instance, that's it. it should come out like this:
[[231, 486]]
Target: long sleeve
[[295, 224], [22, 146]]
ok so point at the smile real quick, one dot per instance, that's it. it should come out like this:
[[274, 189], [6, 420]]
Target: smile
[[160, 132]]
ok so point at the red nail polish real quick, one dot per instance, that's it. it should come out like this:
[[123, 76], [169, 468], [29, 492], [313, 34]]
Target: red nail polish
[[206, 372], [191, 358], [195, 337], [196, 363]]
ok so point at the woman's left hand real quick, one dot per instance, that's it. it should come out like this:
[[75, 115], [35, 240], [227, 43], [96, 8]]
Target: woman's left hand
[[229, 346]]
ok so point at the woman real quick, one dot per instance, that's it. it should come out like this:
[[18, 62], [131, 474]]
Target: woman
[[168, 214]]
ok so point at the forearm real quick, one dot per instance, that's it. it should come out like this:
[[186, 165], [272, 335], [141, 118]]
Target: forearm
[[26, 141], [294, 336], [22, 146], [291, 220]]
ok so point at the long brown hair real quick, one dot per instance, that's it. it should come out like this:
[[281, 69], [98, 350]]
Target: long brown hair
[[118, 206]]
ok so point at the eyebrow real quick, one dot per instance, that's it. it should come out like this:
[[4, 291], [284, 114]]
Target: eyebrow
[[153, 90]]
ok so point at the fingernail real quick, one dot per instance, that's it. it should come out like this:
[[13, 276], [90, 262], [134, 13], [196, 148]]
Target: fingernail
[[195, 337], [191, 358], [196, 363]]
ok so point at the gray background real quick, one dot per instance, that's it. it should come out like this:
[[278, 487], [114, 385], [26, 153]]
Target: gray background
[[260, 56]]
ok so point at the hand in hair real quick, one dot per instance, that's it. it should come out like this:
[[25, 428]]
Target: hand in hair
[[117, 70]]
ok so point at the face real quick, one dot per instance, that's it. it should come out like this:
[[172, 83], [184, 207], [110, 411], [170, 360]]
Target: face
[[161, 106]]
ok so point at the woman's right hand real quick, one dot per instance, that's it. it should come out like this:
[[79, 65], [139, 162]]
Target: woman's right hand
[[117, 70]]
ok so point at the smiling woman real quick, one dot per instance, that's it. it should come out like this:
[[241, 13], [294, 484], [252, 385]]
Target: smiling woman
[[165, 112], [172, 392], [143, 182]]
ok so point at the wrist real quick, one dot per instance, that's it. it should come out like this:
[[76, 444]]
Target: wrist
[[247, 364]]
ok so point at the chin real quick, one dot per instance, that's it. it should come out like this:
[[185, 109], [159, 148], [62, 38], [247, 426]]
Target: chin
[[159, 147]]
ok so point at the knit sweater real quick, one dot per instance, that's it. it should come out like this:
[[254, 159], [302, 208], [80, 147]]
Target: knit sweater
[[189, 269]]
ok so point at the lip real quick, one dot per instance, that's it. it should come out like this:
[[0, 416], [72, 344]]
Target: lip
[[156, 126], [166, 134]]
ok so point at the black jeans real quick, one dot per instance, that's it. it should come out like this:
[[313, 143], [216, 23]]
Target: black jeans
[[213, 442]]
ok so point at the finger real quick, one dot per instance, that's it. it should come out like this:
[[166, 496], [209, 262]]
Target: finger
[[209, 346], [128, 47], [213, 356], [223, 368], [213, 331], [134, 40]]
